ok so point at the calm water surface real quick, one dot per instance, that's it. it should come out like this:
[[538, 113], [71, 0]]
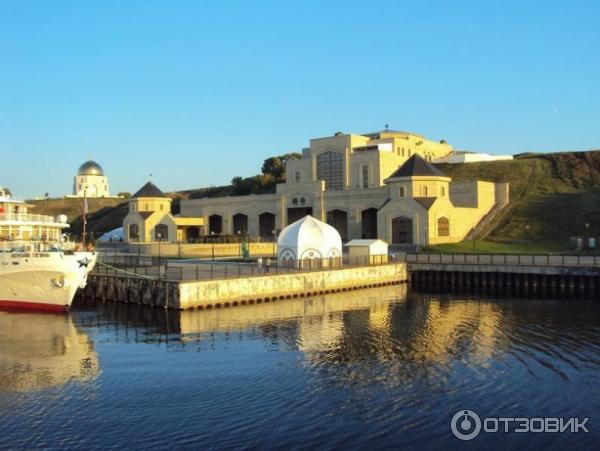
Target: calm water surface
[[375, 369]]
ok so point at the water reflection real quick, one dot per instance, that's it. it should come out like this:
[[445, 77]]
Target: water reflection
[[381, 368], [43, 350], [378, 324]]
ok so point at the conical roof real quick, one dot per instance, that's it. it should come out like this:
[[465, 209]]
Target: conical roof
[[417, 166], [149, 190], [309, 232]]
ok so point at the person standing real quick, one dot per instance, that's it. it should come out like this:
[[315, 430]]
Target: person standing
[[259, 262], [268, 265]]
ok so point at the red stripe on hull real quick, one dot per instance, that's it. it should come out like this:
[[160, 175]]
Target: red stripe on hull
[[32, 306]]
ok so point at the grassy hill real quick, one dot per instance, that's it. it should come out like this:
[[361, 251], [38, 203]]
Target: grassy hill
[[103, 214], [555, 194]]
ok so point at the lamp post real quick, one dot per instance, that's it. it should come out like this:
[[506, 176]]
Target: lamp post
[[586, 243], [159, 236], [212, 234], [274, 232], [527, 237]]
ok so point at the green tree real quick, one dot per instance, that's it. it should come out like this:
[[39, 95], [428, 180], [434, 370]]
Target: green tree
[[275, 166]]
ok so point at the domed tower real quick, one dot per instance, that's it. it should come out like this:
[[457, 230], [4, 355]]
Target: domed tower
[[90, 181]]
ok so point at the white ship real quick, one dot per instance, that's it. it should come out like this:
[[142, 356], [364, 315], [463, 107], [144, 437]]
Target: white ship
[[39, 269]]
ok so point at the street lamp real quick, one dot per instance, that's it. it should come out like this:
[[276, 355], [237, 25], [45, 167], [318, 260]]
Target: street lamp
[[274, 232], [527, 237], [587, 235], [212, 234], [159, 236]]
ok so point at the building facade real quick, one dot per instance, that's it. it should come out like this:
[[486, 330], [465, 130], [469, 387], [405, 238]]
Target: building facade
[[150, 220], [379, 185], [90, 181]]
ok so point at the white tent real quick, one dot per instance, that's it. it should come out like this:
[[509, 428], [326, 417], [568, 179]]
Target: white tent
[[113, 235], [309, 243]]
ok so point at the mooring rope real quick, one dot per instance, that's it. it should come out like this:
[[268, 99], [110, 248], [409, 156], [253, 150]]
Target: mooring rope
[[127, 272]]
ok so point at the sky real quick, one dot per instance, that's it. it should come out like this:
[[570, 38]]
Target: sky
[[197, 92]]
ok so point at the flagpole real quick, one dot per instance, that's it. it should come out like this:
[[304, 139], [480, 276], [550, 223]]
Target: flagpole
[[85, 207]]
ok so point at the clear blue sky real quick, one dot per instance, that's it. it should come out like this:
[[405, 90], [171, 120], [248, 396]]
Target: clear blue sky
[[197, 92]]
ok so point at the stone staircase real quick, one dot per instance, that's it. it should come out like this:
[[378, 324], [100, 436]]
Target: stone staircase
[[481, 229]]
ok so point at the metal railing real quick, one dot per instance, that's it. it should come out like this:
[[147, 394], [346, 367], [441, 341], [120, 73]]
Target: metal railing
[[588, 261], [129, 260], [35, 246], [228, 239], [228, 270], [184, 250], [27, 217]]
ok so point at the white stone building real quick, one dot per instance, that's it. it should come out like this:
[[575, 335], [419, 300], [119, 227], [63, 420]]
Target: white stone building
[[90, 181]]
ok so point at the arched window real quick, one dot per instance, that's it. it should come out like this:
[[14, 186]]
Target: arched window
[[443, 227], [443, 191], [365, 176], [134, 232], [424, 191], [401, 191], [330, 168]]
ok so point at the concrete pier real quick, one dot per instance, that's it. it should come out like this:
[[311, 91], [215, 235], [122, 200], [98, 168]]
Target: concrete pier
[[242, 290]]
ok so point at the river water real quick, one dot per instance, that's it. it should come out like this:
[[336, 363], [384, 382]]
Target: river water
[[378, 369]]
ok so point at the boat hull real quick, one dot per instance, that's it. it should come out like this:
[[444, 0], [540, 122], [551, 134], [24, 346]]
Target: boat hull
[[42, 281]]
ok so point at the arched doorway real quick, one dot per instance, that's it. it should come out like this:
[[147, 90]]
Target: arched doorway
[[368, 220], [161, 232], [339, 220], [215, 224], [296, 213], [134, 232], [402, 230], [266, 224], [240, 223], [91, 191]]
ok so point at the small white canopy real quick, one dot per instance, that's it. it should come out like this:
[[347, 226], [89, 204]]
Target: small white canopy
[[309, 239]]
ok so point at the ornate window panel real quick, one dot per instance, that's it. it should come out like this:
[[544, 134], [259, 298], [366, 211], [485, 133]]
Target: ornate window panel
[[330, 168]]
